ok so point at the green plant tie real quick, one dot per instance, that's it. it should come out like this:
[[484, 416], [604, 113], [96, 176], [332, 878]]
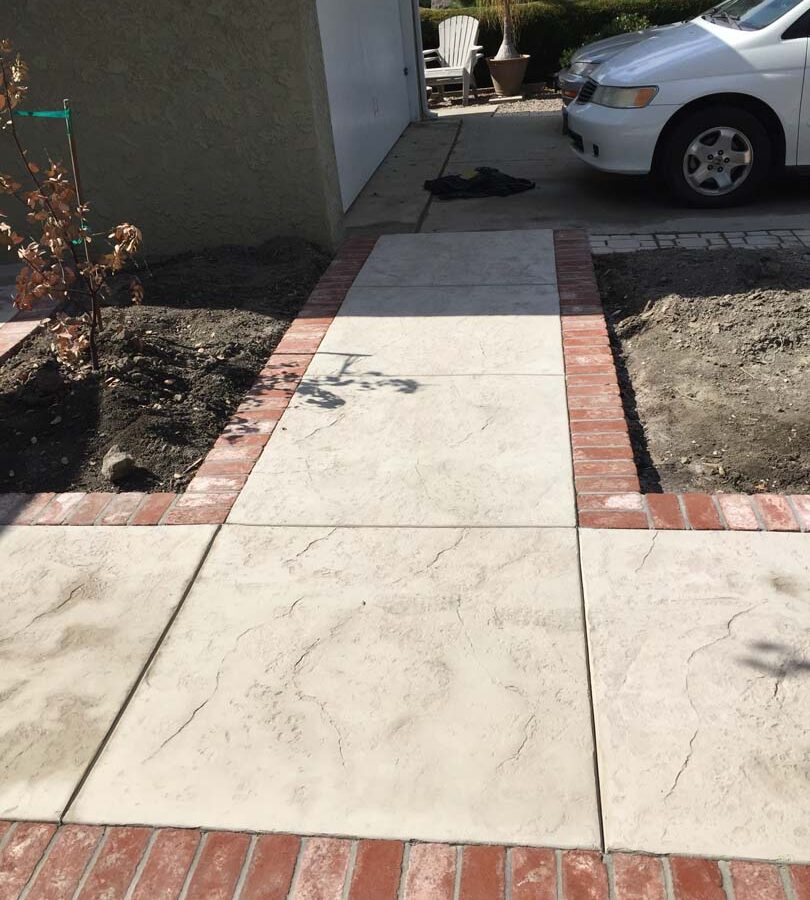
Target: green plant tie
[[51, 114], [43, 113]]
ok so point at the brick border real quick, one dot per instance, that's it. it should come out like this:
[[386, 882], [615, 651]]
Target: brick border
[[778, 238], [222, 474], [607, 486], [41, 860]]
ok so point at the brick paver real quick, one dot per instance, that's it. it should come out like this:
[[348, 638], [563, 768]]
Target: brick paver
[[23, 846], [599, 432], [219, 866], [111, 873], [62, 870], [482, 873], [696, 879], [638, 877], [377, 871], [431, 872], [787, 239], [322, 870], [584, 876], [167, 863], [756, 881], [40, 862], [533, 873]]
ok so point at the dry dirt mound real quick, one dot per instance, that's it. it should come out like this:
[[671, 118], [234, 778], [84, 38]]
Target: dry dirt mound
[[715, 348]]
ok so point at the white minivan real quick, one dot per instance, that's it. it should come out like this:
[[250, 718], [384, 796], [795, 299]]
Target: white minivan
[[712, 106]]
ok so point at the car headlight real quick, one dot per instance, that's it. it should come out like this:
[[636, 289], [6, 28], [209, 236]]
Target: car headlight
[[583, 68], [624, 97]]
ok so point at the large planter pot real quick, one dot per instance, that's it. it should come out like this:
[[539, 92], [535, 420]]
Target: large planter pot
[[508, 74]]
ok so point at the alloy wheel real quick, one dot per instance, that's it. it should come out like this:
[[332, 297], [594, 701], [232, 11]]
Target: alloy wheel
[[718, 161]]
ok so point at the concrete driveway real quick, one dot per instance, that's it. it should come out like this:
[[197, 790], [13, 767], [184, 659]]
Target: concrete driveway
[[569, 193]]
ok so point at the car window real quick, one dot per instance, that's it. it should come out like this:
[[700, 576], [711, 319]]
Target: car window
[[750, 14]]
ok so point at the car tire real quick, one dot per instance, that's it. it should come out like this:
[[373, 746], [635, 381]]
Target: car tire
[[697, 174]]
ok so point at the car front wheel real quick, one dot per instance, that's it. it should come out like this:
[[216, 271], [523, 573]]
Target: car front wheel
[[717, 156]]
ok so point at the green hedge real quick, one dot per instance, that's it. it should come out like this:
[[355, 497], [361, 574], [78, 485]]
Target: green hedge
[[549, 27]]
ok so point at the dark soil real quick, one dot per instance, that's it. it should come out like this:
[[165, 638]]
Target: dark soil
[[173, 371], [714, 349]]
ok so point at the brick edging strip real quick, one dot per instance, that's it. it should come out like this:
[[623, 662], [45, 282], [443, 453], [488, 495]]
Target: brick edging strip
[[607, 486], [39, 860], [216, 485]]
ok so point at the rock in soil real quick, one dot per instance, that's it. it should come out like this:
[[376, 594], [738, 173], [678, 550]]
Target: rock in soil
[[117, 465], [172, 371], [714, 354]]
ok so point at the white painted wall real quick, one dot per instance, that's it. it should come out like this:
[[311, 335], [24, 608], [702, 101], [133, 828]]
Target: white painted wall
[[367, 45]]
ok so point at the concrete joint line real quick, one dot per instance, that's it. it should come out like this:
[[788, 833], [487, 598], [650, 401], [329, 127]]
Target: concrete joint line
[[141, 675]]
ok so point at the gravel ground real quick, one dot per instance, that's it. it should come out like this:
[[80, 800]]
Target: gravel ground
[[537, 100], [548, 103]]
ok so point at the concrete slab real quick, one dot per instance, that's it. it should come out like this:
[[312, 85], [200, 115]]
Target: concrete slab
[[444, 331], [508, 138], [446, 450], [423, 140], [453, 113], [373, 682], [480, 258], [395, 198], [572, 195], [700, 655], [79, 619]]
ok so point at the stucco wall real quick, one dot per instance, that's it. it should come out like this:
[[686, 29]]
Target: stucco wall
[[202, 121]]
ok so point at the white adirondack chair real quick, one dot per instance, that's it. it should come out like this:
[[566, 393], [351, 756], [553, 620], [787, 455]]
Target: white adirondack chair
[[456, 56]]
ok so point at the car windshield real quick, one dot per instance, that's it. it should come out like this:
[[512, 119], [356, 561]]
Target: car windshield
[[749, 14]]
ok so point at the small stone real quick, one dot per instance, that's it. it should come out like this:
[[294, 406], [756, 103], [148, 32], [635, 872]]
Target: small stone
[[56, 421], [33, 439], [116, 464], [684, 460], [64, 460]]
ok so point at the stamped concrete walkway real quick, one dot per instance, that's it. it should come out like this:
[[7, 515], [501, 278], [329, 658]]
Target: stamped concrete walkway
[[394, 608], [390, 636]]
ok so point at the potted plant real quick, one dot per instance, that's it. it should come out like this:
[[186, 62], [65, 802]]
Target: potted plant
[[508, 67]]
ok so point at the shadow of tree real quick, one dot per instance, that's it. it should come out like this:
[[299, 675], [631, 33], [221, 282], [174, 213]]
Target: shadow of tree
[[777, 660], [320, 390], [322, 393]]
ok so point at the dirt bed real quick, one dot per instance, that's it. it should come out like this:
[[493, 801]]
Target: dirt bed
[[715, 366], [173, 371]]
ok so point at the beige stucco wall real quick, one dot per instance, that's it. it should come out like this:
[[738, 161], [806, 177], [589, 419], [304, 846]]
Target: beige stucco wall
[[202, 121]]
